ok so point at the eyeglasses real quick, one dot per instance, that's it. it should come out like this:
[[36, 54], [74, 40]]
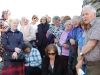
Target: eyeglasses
[[51, 53]]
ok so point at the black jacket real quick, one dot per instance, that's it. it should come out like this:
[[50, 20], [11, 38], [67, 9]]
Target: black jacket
[[41, 35], [58, 66]]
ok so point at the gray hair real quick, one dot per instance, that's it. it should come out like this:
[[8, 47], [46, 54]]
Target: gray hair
[[76, 17], [68, 21], [55, 18], [23, 18], [93, 9], [7, 10]]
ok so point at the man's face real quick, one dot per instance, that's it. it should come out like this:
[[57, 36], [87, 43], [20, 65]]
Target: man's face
[[88, 15]]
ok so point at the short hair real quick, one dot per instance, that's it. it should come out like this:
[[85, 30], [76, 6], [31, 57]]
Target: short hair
[[55, 18], [35, 16], [10, 21], [93, 9], [23, 18], [26, 45], [51, 47], [43, 17], [7, 10], [76, 17], [68, 21], [66, 18]]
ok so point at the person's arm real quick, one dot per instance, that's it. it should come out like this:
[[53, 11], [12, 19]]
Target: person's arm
[[59, 70], [89, 46], [61, 42], [78, 51], [44, 66], [21, 42], [38, 58], [5, 44]]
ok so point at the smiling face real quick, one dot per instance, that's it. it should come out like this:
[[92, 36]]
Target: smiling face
[[6, 15], [14, 24], [24, 21], [75, 22], [43, 20], [68, 26], [88, 15]]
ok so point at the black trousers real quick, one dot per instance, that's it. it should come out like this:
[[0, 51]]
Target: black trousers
[[32, 70]]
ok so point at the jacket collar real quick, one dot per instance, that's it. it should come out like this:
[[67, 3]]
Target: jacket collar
[[16, 31]]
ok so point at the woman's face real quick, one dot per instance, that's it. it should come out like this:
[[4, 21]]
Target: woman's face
[[14, 24], [34, 20], [57, 23], [51, 54], [75, 22], [83, 27], [68, 26], [27, 50], [25, 21], [6, 15], [43, 20]]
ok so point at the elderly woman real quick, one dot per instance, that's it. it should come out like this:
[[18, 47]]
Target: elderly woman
[[65, 47], [41, 35], [81, 63], [3, 28], [27, 30], [34, 25], [12, 41], [52, 64], [57, 29], [72, 40], [33, 60]]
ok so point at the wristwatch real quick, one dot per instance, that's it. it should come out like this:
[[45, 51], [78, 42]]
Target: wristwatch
[[81, 53]]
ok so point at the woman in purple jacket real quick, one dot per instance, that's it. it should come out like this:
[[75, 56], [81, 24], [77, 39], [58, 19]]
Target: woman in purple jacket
[[65, 47], [12, 41]]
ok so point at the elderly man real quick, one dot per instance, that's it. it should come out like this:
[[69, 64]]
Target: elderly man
[[91, 48]]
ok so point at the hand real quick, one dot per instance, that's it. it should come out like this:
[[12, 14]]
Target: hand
[[26, 64], [14, 55], [55, 41], [17, 50], [72, 41], [25, 39], [78, 66], [36, 31], [36, 40], [79, 58], [66, 46]]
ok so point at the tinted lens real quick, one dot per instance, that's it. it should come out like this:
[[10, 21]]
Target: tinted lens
[[51, 53]]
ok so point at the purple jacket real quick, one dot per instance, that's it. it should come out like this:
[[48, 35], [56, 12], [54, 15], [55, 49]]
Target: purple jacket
[[62, 41]]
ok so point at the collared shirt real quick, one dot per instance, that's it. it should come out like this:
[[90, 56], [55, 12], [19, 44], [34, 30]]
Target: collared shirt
[[34, 58], [93, 32]]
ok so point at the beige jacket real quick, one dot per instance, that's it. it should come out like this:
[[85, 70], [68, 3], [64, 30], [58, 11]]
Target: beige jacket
[[28, 32]]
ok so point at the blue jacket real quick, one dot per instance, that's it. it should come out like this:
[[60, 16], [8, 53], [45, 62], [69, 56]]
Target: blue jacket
[[10, 40]]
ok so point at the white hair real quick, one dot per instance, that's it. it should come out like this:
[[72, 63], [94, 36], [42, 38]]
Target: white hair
[[76, 17], [93, 9], [68, 21]]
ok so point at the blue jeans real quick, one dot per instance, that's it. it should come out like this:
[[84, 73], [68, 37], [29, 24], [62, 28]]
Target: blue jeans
[[84, 68]]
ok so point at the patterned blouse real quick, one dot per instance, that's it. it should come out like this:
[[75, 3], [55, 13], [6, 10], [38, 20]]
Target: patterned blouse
[[56, 31]]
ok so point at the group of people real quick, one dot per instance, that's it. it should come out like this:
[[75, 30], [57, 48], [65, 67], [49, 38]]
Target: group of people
[[78, 38]]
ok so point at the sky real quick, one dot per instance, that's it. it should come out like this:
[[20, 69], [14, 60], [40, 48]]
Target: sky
[[28, 8]]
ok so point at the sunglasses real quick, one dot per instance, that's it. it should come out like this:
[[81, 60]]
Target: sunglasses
[[51, 53]]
